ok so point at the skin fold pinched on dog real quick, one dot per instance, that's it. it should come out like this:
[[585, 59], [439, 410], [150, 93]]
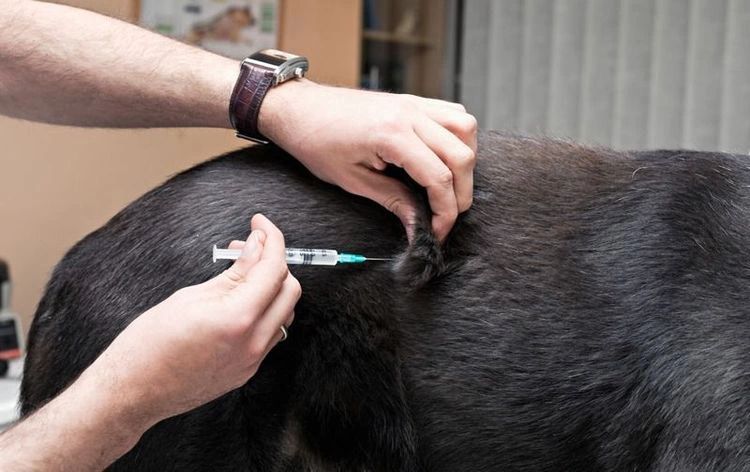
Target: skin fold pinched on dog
[[590, 312]]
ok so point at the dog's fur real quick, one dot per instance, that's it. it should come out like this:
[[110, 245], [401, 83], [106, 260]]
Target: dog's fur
[[589, 313]]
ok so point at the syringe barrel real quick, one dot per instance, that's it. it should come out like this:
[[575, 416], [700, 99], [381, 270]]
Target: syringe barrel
[[303, 256], [324, 257]]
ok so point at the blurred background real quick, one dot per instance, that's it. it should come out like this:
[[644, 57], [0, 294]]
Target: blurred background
[[624, 73]]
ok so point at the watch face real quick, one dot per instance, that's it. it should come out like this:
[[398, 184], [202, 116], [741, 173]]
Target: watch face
[[272, 56]]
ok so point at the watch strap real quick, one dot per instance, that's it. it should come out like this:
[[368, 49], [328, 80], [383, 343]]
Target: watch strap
[[248, 94]]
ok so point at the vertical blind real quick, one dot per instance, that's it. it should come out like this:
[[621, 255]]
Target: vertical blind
[[623, 73]]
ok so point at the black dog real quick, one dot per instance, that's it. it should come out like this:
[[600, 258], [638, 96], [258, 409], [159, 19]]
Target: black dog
[[591, 312]]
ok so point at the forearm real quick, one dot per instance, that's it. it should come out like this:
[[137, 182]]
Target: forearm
[[87, 427], [69, 66]]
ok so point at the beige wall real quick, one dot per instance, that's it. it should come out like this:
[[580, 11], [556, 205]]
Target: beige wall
[[57, 184], [329, 33]]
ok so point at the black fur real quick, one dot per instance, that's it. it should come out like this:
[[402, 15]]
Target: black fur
[[589, 313]]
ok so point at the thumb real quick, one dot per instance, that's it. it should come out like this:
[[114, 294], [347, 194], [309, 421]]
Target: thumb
[[251, 251], [391, 194]]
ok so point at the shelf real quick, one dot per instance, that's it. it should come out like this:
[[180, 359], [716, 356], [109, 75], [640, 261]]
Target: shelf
[[405, 39], [403, 46]]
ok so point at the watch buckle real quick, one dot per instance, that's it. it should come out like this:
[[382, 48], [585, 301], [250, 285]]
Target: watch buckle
[[250, 138]]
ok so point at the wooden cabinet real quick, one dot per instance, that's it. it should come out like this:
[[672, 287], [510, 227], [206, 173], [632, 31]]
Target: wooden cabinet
[[404, 46]]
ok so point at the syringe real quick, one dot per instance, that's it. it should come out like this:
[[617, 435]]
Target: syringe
[[324, 257]]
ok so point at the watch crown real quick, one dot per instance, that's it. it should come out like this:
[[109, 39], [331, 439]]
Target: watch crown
[[299, 73]]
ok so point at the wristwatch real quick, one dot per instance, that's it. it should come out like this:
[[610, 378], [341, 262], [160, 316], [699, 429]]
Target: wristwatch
[[258, 73]]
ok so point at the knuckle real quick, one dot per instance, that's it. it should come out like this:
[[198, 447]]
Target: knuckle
[[385, 136], [466, 124], [277, 277], [246, 318], [445, 179], [405, 113], [464, 157], [392, 125], [235, 331], [471, 123], [378, 164], [283, 272], [233, 275], [255, 351], [465, 204], [296, 288], [447, 218], [388, 147], [278, 273]]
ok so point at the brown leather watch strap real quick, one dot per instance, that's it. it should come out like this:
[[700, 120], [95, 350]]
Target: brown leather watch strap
[[247, 96]]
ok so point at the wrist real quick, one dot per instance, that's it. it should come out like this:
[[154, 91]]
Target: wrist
[[112, 405], [279, 106]]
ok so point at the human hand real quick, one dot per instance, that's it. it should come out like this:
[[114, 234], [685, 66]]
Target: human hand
[[348, 137], [207, 339]]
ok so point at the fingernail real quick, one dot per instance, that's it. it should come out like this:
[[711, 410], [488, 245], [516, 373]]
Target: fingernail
[[260, 235], [252, 243]]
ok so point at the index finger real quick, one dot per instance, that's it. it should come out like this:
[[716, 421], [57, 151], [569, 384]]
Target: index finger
[[426, 168]]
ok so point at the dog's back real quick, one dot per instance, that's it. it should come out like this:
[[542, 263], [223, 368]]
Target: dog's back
[[588, 313]]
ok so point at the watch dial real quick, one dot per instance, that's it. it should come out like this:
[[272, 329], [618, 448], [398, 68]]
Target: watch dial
[[272, 56]]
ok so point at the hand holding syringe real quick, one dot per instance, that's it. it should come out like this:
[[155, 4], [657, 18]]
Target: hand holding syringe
[[323, 257]]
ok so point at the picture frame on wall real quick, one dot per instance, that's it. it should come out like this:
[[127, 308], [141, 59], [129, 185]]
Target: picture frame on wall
[[232, 28]]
